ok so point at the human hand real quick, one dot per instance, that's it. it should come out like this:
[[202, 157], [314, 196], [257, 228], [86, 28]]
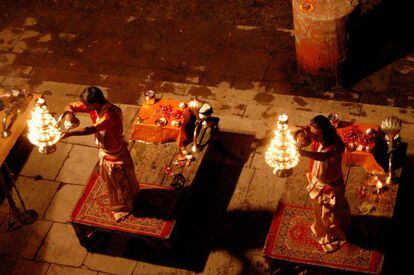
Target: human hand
[[65, 134], [305, 128]]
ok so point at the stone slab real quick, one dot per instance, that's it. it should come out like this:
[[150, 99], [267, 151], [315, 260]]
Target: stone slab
[[218, 262], [300, 110], [109, 264], [265, 191], [239, 194], [36, 194], [152, 269], [89, 140], [296, 183], [81, 159], [240, 125], [16, 70], [61, 246], [8, 38], [57, 95], [47, 166], [226, 93], [17, 83], [25, 241], [346, 110], [63, 203], [258, 160], [66, 270], [375, 113], [248, 64], [222, 108], [24, 266], [7, 59], [129, 112]]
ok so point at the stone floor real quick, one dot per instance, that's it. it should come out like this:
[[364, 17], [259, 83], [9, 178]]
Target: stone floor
[[241, 62]]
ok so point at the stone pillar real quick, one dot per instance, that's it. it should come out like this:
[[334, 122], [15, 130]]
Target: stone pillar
[[321, 38]]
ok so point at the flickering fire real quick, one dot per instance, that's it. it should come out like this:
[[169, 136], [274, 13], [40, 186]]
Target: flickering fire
[[282, 153], [379, 185], [283, 118], [43, 131]]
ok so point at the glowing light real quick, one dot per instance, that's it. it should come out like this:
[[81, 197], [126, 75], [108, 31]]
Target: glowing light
[[282, 153], [379, 186], [43, 129]]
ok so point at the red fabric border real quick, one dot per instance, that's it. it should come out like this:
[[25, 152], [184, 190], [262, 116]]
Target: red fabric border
[[375, 261], [166, 229]]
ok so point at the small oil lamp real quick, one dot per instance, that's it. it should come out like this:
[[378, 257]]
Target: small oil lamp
[[149, 97]]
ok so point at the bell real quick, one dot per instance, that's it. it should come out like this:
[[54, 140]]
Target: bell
[[68, 121]]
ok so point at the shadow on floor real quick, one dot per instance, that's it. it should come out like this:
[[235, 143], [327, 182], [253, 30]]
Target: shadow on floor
[[205, 226], [398, 256], [379, 36], [15, 160]]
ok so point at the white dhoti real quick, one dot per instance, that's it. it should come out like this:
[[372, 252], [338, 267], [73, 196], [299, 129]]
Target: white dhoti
[[331, 213], [117, 171]]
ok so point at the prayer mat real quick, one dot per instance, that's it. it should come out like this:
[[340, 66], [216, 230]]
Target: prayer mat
[[92, 209], [291, 239]]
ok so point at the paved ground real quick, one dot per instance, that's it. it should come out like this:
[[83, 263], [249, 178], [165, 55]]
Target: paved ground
[[237, 55]]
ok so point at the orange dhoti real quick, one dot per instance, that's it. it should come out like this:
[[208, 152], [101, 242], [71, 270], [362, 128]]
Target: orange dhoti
[[117, 171]]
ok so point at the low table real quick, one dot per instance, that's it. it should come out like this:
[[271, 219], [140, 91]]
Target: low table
[[145, 129], [361, 158]]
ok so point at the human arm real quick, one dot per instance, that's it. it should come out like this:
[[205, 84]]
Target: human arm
[[76, 107], [80, 132], [319, 156]]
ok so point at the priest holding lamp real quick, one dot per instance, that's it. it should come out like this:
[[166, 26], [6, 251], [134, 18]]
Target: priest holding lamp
[[326, 186], [116, 167]]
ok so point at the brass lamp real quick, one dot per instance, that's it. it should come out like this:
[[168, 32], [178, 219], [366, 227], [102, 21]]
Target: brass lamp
[[195, 106], [391, 126], [43, 129], [282, 154]]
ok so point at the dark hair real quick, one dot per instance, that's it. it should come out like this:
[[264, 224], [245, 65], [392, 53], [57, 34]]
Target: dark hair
[[329, 133], [92, 95]]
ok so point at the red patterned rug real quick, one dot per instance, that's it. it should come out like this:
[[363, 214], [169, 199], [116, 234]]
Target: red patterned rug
[[93, 209], [290, 239]]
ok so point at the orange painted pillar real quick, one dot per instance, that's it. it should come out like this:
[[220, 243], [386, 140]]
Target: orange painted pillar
[[321, 38]]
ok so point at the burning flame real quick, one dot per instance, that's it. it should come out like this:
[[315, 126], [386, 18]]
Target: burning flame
[[43, 130], [282, 153]]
